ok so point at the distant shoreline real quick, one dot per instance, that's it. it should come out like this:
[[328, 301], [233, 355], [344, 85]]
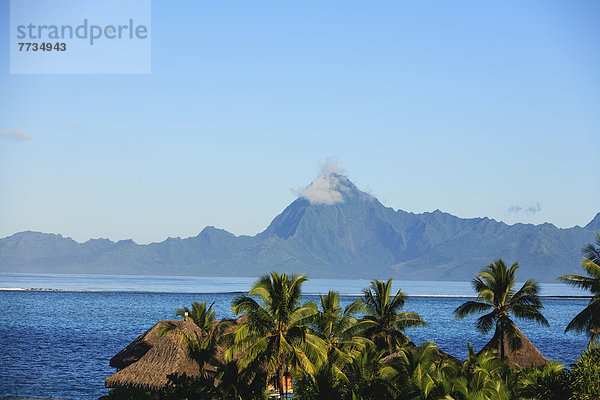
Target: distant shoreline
[[242, 292]]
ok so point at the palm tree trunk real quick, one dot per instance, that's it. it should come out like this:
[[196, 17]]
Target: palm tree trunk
[[501, 342], [390, 343], [280, 378]]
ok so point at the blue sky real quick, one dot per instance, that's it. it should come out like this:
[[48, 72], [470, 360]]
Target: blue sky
[[475, 108]]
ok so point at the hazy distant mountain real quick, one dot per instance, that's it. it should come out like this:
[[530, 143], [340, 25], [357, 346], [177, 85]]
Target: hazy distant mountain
[[332, 230]]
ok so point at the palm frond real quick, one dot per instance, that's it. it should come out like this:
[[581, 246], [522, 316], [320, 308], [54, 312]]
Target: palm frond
[[243, 304], [488, 296], [398, 301], [486, 322], [263, 289], [370, 304], [407, 320], [470, 307], [182, 312], [592, 267], [579, 281], [529, 292], [249, 352], [303, 315], [478, 284], [167, 327], [353, 308], [588, 319], [510, 330], [592, 253], [529, 312]]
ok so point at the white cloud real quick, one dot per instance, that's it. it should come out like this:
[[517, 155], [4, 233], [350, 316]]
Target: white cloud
[[533, 208], [15, 134], [331, 167], [326, 188], [77, 128]]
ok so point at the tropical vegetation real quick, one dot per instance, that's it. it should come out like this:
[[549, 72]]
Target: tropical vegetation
[[386, 325], [588, 320], [275, 335], [361, 351], [497, 298]]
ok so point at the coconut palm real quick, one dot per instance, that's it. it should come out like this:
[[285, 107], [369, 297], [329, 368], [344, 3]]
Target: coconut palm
[[384, 322], [326, 384], [368, 377], [422, 373], [483, 377], [496, 296], [199, 314], [588, 320], [585, 375], [216, 378], [203, 317], [550, 382], [337, 326], [275, 334]]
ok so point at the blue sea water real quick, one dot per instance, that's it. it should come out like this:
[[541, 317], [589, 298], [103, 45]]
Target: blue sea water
[[200, 284], [57, 343]]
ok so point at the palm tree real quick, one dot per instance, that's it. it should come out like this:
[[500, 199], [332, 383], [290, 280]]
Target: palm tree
[[496, 296], [275, 334], [383, 321], [423, 373], [483, 377], [203, 317], [200, 315], [588, 320], [337, 326], [584, 381], [368, 377], [216, 378], [550, 382]]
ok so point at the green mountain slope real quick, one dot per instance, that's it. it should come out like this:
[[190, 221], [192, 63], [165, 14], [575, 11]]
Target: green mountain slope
[[332, 230]]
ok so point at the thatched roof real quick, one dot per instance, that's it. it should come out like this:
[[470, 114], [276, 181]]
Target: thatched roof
[[166, 357], [527, 356], [140, 346]]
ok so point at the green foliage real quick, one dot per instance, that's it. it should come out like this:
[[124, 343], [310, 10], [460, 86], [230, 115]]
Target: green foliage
[[127, 394], [383, 321], [183, 387], [339, 329], [325, 384], [247, 384], [231, 386], [545, 383], [368, 377], [276, 333], [203, 317], [588, 320], [423, 374], [497, 297], [328, 350], [585, 375]]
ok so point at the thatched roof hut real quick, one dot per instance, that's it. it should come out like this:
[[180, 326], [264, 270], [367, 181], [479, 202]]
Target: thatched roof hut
[[140, 346], [527, 356], [166, 357]]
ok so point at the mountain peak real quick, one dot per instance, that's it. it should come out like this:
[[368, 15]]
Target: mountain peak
[[595, 223], [331, 187]]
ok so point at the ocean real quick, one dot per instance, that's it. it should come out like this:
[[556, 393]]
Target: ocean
[[56, 340]]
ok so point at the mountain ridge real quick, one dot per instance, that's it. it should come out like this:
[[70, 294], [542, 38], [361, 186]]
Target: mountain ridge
[[331, 230]]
